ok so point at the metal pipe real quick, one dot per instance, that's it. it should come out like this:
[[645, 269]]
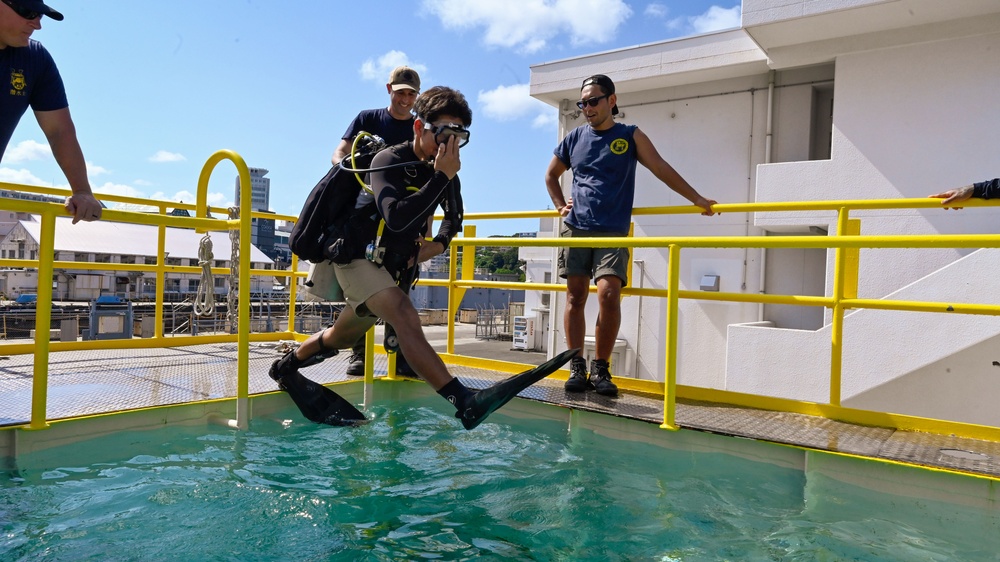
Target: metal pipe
[[673, 312], [43, 322], [638, 316]]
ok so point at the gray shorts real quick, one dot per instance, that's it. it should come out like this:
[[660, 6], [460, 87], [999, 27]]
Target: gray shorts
[[592, 262], [361, 279]]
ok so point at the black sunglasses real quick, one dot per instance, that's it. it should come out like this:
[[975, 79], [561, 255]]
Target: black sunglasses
[[592, 102], [22, 11], [442, 132]]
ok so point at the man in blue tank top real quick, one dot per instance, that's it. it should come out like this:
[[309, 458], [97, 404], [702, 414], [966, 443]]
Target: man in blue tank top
[[602, 155], [32, 79], [395, 125]]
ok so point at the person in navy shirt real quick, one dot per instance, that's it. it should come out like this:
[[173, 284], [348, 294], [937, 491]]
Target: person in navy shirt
[[395, 125], [32, 79], [603, 156]]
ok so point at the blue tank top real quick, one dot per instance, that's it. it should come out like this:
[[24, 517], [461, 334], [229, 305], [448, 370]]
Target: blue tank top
[[603, 164]]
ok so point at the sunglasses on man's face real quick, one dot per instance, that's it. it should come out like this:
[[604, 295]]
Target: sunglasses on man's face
[[591, 102], [442, 132], [22, 11]]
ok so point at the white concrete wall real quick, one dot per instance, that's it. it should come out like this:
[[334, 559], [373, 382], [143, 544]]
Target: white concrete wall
[[908, 121], [893, 361]]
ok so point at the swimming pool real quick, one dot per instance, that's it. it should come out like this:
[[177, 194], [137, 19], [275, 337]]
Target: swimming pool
[[413, 485]]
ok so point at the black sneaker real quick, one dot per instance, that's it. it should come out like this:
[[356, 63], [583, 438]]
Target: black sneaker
[[601, 378], [578, 380], [356, 365]]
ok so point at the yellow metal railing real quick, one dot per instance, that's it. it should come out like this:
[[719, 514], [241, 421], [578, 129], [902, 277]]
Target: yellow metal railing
[[847, 243], [202, 222]]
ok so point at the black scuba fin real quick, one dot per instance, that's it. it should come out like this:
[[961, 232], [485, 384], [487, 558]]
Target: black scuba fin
[[488, 400], [318, 403]]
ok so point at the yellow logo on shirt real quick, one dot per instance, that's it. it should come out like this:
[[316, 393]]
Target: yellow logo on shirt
[[17, 80], [619, 147]]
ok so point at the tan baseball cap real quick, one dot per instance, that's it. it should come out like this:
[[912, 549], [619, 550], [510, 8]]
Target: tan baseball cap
[[403, 77]]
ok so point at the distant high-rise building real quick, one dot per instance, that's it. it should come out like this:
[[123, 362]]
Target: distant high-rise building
[[260, 190], [261, 230]]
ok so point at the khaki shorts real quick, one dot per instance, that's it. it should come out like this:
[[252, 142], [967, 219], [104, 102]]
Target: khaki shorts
[[361, 279], [592, 262]]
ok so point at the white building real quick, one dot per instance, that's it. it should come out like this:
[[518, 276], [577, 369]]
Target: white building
[[112, 242], [749, 115]]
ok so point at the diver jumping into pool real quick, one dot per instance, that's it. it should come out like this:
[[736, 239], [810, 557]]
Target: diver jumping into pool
[[375, 260]]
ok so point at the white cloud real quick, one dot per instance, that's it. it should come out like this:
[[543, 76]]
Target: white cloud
[[215, 199], [27, 150], [656, 10], [93, 170], [164, 156], [110, 188], [143, 183], [22, 176], [532, 24], [545, 120], [377, 70], [506, 103], [182, 197], [717, 18]]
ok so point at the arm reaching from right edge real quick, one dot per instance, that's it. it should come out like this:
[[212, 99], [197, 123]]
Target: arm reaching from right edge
[[983, 190]]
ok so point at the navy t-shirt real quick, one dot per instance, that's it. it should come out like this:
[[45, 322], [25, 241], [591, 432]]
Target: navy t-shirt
[[603, 164], [380, 122], [30, 79]]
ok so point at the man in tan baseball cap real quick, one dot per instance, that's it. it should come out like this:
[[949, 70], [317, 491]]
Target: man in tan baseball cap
[[395, 125]]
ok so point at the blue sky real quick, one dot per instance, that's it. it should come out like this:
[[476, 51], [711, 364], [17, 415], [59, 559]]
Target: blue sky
[[155, 87]]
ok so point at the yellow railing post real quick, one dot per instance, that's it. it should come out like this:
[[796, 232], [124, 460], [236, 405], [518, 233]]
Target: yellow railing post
[[370, 365], [43, 323], [455, 294], [293, 292], [161, 276], [840, 271], [673, 312], [243, 337], [852, 259]]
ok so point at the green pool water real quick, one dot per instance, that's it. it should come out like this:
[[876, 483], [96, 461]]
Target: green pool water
[[412, 485]]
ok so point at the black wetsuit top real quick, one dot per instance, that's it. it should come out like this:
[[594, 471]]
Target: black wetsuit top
[[407, 196]]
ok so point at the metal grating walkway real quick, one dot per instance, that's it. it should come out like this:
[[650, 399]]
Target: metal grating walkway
[[93, 382]]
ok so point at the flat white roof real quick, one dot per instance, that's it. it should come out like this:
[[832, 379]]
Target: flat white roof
[[106, 237], [690, 60]]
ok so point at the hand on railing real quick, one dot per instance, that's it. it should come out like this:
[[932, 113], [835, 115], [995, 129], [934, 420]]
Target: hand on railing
[[707, 205], [83, 207], [954, 196]]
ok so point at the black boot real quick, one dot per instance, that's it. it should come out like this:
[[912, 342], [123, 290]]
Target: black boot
[[600, 377], [356, 362], [579, 380]]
